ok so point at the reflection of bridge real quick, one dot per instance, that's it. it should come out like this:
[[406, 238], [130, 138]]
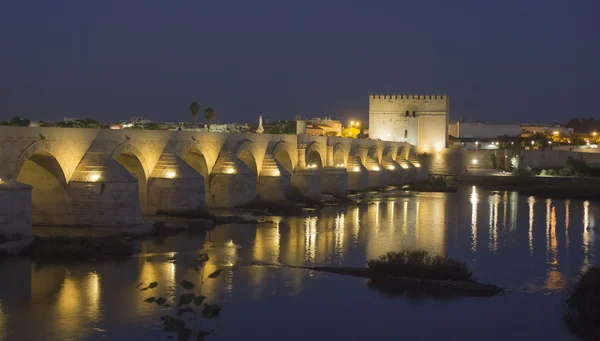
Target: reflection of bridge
[[111, 177]]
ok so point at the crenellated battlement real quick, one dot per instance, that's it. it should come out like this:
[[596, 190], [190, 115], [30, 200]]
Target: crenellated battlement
[[409, 96]]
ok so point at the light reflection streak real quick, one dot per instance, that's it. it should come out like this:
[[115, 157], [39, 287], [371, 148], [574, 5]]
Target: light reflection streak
[[514, 204], [340, 226], [531, 202], [405, 217], [474, 201], [310, 233], [587, 235], [567, 207], [493, 233]]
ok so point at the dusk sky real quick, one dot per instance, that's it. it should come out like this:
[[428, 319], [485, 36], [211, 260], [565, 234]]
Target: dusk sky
[[535, 61]]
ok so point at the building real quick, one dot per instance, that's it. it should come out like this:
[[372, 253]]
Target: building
[[421, 120], [329, 126], [555, 129], [140, 120], [483, 130]]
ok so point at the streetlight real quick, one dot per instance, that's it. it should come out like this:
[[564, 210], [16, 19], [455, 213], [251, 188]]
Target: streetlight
[[351, 123], [594, 133]]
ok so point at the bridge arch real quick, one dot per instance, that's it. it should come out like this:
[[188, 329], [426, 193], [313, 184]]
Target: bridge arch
[[134, 161], [45, 169], [313, 156], [243, 151], [339, 157], [281, 153]]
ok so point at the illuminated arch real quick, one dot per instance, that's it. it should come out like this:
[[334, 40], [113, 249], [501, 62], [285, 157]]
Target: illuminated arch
[[339, 157], [281, 153], [313, 155], [243, 151]]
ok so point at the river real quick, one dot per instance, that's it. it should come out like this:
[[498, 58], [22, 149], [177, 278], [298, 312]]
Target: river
[[534, 247]]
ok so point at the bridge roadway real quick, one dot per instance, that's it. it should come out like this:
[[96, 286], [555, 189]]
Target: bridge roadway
[[100, 177]]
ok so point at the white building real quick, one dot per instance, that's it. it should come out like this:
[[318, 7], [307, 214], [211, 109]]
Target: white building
[[554, 129], [482, 130]]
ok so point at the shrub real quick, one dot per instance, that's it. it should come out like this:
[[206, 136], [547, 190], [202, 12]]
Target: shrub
[[544, 172], [582, 306], [552, 172], [419, 264]]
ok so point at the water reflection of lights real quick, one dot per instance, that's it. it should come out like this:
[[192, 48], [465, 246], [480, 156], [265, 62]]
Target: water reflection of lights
[[405, 217], [93, 293], [340, 226], [588, 235], [531, 202], [514, 202], [310, 238], [493, 229], [474, 201], [567, 207], [390, 211]]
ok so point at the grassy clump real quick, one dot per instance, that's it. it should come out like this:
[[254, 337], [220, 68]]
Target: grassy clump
[[79, 248], [419, 264], [582, 306], [196, 213]]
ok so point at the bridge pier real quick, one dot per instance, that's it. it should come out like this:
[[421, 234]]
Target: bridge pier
[[308, 181], [377, 176], [15, 210], [174, 186], [334, 180], [358, 177], [274, 180], [104, 193], [232, 183], [394, 171]]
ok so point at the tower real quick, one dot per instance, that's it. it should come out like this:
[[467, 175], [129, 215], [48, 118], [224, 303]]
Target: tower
[[421, 120]]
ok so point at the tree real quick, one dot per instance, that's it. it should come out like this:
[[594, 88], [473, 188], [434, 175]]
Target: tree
[[351, 132], [194, 109], [19, 121], [209, 113]]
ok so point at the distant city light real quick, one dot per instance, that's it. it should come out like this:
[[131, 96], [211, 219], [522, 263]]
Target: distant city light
[[555, 133]]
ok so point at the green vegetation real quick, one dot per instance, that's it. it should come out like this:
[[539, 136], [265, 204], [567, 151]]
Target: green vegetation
[[186, 324], [194, 109], [79, 248], [419, 264], [16, 121], [83, 123], [582, 307], [573, 167], [209, 114]]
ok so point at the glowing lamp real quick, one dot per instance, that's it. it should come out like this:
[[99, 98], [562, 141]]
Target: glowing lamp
[[276, 173], [418, 165], [404, 166], [356, 169], [94, 177], [391, 167], [171, 174], [375, 169], [474, 161], [230, 170]]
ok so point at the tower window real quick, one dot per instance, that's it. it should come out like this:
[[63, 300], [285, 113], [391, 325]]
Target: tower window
[[414, 114], [407, 113], [405, 133]]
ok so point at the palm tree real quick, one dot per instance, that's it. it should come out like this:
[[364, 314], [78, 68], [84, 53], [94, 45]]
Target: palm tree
[[194, 109], [209, 113]]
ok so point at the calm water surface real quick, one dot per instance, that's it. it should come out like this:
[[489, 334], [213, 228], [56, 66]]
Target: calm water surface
[[533, 246]]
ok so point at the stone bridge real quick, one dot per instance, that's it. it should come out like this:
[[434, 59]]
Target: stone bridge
[[98, 177]]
